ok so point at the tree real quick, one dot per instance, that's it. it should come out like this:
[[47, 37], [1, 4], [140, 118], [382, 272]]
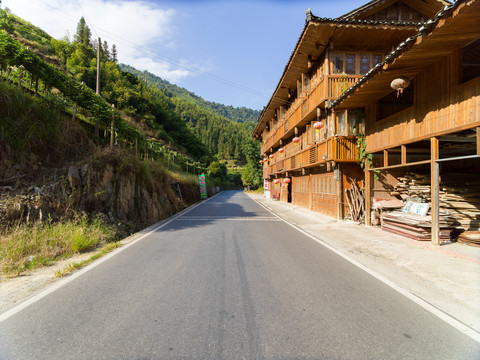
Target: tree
[[252, 174], [83, 35], [114, 53], [218, 172], [105, 51]]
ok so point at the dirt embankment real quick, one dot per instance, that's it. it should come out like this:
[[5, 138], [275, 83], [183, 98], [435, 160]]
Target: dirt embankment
[[113, 182]]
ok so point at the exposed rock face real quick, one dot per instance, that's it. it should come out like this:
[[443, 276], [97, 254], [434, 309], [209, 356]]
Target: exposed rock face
[[98, 186]]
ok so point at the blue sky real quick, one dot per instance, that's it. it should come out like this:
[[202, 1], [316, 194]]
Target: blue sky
[[232, 52]]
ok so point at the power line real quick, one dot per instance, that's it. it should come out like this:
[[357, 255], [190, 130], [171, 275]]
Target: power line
[[85, 16], [163, 57]]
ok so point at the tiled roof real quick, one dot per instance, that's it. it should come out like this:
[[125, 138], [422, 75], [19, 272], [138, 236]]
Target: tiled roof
[[401, 48], [371, 4], [312, 18], [342, 20]]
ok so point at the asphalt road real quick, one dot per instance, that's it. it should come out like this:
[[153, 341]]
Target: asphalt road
[[228, 280]]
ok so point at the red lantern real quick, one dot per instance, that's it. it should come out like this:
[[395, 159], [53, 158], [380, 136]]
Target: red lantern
[[261, 161], [286, 181], [271, 156], [296, 140], [276, 181], [318, 125], [281, 150], [265, 159]]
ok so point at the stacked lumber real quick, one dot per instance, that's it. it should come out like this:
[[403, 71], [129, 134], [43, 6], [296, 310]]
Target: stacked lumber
[[462, 199], [416, 227], [459, 195], [413, 185], [470, 238]]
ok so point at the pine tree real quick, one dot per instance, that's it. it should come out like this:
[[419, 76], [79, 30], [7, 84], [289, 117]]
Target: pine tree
[[83, 35], [105, 50], [114, 53]]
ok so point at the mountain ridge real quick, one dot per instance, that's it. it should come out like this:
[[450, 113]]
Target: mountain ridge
[[238, 114]]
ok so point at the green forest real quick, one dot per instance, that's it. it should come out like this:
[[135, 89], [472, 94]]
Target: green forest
[[149, 113]]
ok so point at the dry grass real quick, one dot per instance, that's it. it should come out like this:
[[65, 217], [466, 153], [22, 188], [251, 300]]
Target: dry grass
[[27, 246]]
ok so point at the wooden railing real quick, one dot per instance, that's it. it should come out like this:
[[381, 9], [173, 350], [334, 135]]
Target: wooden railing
[[344, 148], [329, 87], [339, 149], [338, 84]]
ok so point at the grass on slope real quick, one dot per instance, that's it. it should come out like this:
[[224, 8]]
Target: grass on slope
[[28, 246]]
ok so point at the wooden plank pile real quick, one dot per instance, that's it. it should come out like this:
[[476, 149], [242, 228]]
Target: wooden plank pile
[[459, 195], [462, 199], [413, 185], [470, 238], [417, 227]]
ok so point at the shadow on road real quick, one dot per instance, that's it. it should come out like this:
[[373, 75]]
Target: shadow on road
[[227, 206]]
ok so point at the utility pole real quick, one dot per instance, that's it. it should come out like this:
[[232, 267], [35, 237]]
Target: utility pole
[[98, 86], [98, 67], [113, 126]]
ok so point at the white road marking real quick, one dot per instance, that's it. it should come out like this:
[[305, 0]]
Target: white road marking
[[465, 329], [226, 218], [61, 283]]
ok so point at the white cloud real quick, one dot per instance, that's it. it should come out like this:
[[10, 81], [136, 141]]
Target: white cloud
[[133, 26]]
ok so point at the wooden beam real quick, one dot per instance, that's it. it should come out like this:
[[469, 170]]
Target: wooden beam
[[478, 140], [310, 193], [339, 191], [435, 184], [403, 154], [402, 165], [368, 194]]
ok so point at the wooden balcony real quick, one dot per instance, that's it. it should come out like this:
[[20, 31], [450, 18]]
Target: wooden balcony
[[338, 149], [328, 88]]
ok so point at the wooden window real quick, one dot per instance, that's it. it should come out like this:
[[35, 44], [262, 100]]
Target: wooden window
[[338, 64], [364, 63], [282, 113], [306, 84], [376, 59], [471, 61], [341, 121], [350, 64], [356, 122]]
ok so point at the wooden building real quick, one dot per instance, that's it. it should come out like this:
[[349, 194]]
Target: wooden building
[[301, 142], [431, 130]]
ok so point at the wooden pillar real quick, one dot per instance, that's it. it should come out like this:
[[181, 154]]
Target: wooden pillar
[[478, 140], [339, 191], [385, 158], [310, 192], [435, 183], [368, 194], [403, 154]]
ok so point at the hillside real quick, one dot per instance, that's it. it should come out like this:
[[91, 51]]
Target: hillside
[[238, 114], [110, 164], [169, 115]]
